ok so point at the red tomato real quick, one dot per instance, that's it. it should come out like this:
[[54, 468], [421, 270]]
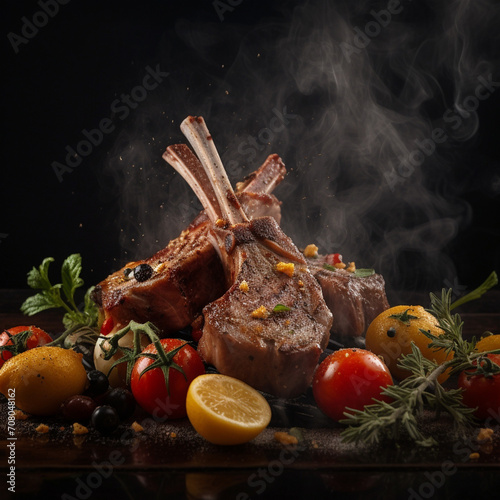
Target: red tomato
[[37, 338], [480, 392], [107, 326], [150, 390], [349, 378]]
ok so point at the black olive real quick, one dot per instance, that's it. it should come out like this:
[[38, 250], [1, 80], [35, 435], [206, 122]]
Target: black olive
[[105, 419], [391, 332], [122, 401], [98, 383], [143, 272]]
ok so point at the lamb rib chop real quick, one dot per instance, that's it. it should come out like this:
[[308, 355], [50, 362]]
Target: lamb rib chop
[[187, 274], [354, 301], [272, 324]]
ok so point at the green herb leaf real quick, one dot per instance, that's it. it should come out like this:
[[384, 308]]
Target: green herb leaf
[[363, 273], [329, 267], [39, 278], [70, 274], [50, 295], [280, 308]]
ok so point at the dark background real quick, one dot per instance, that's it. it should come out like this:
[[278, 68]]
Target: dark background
[[349, 119]]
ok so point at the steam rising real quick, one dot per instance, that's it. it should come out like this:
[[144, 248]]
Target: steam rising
[[355, 118]]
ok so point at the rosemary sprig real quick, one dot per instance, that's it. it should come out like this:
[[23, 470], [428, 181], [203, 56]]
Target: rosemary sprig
[[422, 389]]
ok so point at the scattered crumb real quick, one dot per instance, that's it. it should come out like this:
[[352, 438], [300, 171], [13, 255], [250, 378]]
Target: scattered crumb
[[315, 444], [173, 435], [137, 427], [285, 438], [160, 267], [61, 428], [474, 456], [42, 429], [20, 415], [485, 434], [301, 283], [244, 286], [220, 223], [352, 267], [261, 312], [79, 429], [287, 268], [311, 251]]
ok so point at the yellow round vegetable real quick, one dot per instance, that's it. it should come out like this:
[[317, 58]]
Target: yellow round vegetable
[[40, 379], [489, 343], [391, 333]]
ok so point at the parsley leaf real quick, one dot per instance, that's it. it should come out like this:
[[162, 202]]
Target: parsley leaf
[[50, 296]]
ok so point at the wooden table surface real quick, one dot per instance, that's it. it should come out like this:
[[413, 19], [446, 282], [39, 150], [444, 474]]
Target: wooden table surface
[[169, 460]]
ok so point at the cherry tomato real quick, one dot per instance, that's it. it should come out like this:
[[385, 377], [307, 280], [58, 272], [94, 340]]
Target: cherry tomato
[[37, 338], [481, 392], [150, 390], [349, 378], [333, 258]]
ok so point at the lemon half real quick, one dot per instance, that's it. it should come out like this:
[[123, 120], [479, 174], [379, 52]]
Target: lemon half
[[225, 410]]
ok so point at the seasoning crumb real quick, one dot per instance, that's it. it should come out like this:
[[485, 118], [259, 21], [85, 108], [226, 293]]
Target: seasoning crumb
[[352, 267], [315, 444], [474, 456], [173, 435], [220, 223], [20, 415], [160, 267], [137, 426], [311, 251], [287, 268], [485, 434], [79, 429], [244, 286], [285, 438], [261, 313], [42, 429], [301, 284]]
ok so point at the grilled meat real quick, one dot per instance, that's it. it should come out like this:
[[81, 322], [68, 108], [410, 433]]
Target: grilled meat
[[187, 274], [272, 324]]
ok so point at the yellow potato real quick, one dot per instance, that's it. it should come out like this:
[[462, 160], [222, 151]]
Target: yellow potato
[[489, 343], [40, 379], [392, 332]]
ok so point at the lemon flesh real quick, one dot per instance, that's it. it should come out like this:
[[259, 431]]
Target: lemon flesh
[[225, 410]]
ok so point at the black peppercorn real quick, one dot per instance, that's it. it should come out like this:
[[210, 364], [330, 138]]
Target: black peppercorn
[[143, 272]]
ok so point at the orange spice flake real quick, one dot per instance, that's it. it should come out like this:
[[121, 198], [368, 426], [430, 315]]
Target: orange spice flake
[[311, 251], [287, 268], [260, 313]]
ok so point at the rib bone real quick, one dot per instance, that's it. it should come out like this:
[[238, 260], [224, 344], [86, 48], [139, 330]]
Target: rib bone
[[242, 336]]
